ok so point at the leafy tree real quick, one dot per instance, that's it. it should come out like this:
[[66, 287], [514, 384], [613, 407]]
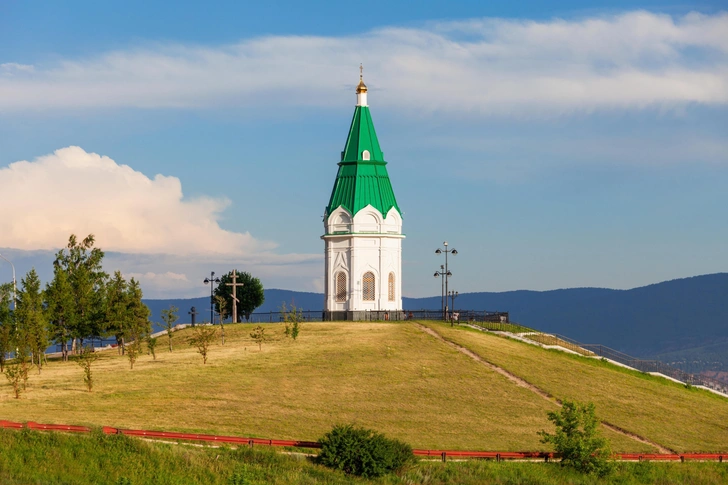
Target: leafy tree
[[293, 319], [577, 438], [17, 372], [85, 359], [259, 336], [7, 325], [223, 311], [118, 313], [152, 346], [82, 263], [169, 316], [250, 295], [201, 338], [31, 323], [60, 309], [139, 325]]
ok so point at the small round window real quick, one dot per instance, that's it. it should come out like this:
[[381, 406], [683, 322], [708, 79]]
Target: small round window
[[365, 155]]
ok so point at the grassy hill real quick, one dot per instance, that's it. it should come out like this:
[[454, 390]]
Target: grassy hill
[[680, 321], [393, 377]]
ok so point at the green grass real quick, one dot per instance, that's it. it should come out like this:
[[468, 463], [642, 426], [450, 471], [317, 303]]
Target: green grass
[[686, 420], [547, 339], [57, 458], [391, 377]]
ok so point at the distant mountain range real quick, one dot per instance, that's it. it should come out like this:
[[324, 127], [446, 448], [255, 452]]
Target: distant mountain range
[[683, 321]]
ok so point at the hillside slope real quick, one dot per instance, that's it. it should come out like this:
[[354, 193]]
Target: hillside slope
[[393, 377]]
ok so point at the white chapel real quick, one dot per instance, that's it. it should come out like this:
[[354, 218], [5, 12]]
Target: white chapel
[[363, 229]]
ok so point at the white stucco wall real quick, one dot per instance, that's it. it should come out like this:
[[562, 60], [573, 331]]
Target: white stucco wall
[[366, 242]]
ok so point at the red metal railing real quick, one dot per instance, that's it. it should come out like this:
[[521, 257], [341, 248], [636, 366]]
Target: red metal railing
[[442, 454]]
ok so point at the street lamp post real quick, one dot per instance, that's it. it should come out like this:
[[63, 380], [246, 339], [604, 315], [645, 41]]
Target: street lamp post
[[445, 274], [14, 289], [212, 280]]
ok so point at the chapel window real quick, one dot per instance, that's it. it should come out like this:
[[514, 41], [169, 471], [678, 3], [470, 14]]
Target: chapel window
[[390, 288], [340, 287], [369, 287], [365, 155]]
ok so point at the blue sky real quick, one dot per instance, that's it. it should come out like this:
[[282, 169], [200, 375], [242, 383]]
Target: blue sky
[[553, 145]]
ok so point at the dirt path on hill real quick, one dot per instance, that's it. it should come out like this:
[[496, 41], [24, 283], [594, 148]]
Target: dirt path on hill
[[525, 384]]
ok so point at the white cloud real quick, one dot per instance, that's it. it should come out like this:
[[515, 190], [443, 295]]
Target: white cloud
[[10, 67], [167, 277], [155, 283], [72, 191], [630, 60]]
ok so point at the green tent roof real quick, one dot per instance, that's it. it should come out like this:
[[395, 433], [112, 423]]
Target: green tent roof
[[362, 182]]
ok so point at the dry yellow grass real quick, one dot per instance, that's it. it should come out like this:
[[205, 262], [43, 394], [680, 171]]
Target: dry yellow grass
[[390, 377], [664, 412]]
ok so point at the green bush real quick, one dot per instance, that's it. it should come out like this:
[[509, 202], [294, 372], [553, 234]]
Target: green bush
[[578, 440], [362, 452]]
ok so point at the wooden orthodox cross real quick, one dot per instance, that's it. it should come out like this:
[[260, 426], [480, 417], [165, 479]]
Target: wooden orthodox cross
[[235, 285]]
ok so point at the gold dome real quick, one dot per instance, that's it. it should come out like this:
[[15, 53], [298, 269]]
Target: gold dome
[[361, 87]]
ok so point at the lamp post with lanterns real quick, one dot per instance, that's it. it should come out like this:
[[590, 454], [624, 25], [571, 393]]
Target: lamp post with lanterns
[[212, 280]]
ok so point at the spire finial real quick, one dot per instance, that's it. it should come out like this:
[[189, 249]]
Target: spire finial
[[361, 87]]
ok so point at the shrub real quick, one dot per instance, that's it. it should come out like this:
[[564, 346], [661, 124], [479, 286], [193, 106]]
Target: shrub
[[362, 452], [578, 440]]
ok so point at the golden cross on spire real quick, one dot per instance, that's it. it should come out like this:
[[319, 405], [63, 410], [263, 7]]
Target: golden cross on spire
[[361, 71]]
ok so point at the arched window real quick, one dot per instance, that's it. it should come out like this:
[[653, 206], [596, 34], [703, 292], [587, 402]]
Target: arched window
[[391, 287], [340, 287], [369, 287], [365, 155]]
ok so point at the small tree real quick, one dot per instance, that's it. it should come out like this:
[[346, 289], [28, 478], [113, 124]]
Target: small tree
[[169, 316], [85, 359], [223, 311], [201, 338], [139, 325], [577, 438], [132, 352], [17, 373], [259, 336], [152, 346], [293, 319]]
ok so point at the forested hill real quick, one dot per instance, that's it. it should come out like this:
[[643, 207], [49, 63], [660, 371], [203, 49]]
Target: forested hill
[[687, 318]]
